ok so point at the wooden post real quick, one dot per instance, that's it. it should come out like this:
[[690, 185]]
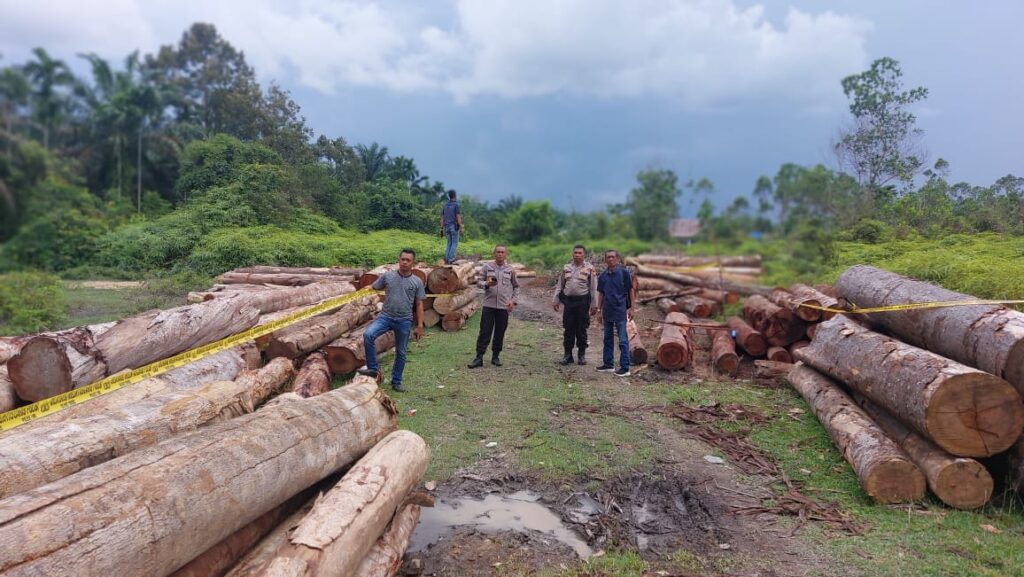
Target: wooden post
[[637, 351]]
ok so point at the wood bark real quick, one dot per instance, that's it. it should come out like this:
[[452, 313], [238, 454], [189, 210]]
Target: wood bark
[[649, 295], [637, 351], [311, 334], [655, 284], [270, 301], [385, 558], [11, 346], [266, 548], [323, 271], [790, 302], [805, 294], [779, 355], [696, 306], [8, 397], [723, 297], [290, 279], [885, 472], [149, 512], [667, 306], [448, 303], [344, 524], [958, 482], [797, 346], [314, 377], [777, 324], [43, 364], [771, 370], [451, 278], [347, 353], [457, 319], [826, 289], [967, 412], [42, 454], [748, 338], [710, 283], [753, 260], [723, 353], [675, 351], [990, 338]]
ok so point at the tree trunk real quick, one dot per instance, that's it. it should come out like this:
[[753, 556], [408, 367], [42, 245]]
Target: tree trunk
[[805, 294], [723, 352], [753, 260], [344, 525], [637, 351], [788, 301], [291, 279], [448, 303], [311, 334], [885, 472], [48, 452], [385, 558], [675, 351], [368, 278], [958, 482], [990, 338], [270, 301], [261, 553], [457, 319], [347, 353], [67, 354], [8, 397], [721, 297], [655, 284], [148, 513], [779, 355], [752, 341], [696, 306], [451, 278], [314, 378], [667, 306], [332, 271], [965, 411], [777, 324], [431, 318], [710, 283]]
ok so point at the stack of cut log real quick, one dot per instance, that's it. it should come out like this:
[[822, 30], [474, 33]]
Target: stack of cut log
[[163, 476], [913, 397]]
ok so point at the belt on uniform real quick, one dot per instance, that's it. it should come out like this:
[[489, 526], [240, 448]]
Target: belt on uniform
[[577, 298]]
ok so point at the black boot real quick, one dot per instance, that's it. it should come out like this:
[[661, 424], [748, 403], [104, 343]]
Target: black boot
[[477, 362], [581, 358], [566, 358], [495, 360]]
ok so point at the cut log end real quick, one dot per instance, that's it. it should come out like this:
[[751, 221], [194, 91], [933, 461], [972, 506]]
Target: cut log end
[[962, 402], [895, 481], [965, 484], [41, 370], [673, 356]]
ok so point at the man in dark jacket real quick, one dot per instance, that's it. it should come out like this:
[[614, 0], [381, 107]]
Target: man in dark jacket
[[615, 298]]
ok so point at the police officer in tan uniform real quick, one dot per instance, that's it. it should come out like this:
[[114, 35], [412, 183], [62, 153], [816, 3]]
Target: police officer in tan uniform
[[576, 290], [501, 293]]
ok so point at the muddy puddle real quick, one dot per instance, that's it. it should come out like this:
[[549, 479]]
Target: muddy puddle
[[520, 511]]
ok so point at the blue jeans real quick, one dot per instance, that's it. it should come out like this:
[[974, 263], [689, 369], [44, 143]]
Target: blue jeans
[[380, 326], [452, 232], [609, 343]]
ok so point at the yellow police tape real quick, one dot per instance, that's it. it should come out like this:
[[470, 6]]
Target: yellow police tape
[[22, 415], [913, 306]]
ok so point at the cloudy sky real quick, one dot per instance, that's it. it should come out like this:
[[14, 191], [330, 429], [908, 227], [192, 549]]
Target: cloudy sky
[[567, 99]]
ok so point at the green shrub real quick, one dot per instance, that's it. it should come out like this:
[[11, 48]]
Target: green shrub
[[216, 161], [30, 302], [868, 231]]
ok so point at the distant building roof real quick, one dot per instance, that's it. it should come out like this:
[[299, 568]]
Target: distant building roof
[[683, 227]]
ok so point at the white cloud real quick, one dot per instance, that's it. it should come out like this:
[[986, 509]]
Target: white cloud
[[698, 53]]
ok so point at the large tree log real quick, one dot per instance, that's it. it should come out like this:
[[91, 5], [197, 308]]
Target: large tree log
[[38, 455], [451, 278], [637, 351], [778, 325], [332, 271], [11, 346], [771, 370], [655, 284], [710, 283], [49, 365], [723, 297], [668, 306], [457, 319], [675, 351], [809, 295], [269, 301], [826, 289], [885, 472], [431, 318], [311, 334], [347, 353], [448, 303], [723, 352], [265, 550], [8, 398], [779, 355], [346, 522], [788, 301], [696, 306], [314, 377], [752, 341], [369, 277], [967, 412], [958, 482], [753, 260], [150, 512], [289, 279], [990, 338], [385, 558]]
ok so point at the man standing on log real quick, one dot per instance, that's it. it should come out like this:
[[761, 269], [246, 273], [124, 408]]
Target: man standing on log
[[451, 226], [615, 298], [404, 294], [501, 291], [576, 289]]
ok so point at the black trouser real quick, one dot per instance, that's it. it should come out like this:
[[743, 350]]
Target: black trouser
[[575, 320], [492, 321]]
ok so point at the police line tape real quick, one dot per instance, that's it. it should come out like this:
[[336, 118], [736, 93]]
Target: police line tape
[[913, 306], [22, 415]]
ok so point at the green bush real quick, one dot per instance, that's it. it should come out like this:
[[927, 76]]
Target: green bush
[[30, 302], [868, 231], [532, 221], [216, 162]]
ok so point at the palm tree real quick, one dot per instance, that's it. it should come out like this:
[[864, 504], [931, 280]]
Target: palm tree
[[374, 159], [49, 104], [14, 91]]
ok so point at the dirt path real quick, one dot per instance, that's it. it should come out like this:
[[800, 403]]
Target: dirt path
[[677, 515]]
